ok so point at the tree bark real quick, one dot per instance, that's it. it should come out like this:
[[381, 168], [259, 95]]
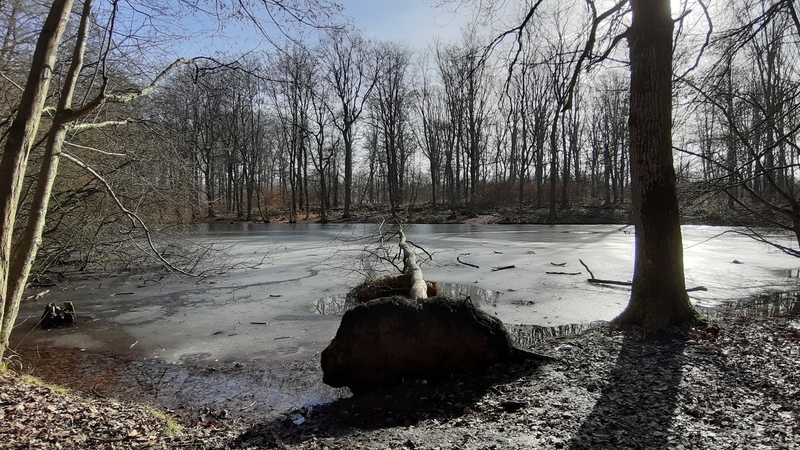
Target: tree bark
[[20, 138], [25, 251], [419, 289], [658, 298]]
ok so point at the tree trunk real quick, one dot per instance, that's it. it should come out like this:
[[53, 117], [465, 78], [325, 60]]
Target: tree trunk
[[20, 138], [348, 172], [25, 250], [658, 298], [419, 289]]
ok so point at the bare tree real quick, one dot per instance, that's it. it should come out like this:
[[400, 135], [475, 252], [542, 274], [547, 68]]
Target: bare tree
[[19, 140], [391, 109], [351, 71], [658, 297]]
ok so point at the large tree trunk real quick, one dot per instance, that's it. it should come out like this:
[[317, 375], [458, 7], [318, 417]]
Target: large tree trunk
[[20, 138], [25, 250], [658, 298]]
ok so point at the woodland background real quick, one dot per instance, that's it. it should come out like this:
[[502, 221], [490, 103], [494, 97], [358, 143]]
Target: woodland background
[[327, 123]]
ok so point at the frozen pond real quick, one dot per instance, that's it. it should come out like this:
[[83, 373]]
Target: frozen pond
[[281, 314]]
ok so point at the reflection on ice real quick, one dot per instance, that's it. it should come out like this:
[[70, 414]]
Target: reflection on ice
[[479, 296], [234, 389], [525, 336], [764, 305]]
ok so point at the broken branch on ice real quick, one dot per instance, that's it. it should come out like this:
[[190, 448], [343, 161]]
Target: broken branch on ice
[[594, 280], [458, 258]]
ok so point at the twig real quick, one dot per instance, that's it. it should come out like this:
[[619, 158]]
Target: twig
[[616, 283], [134, 218], [430, 256], [563, 273], [248, 406], [587, 269], [558, 264], [97, 393], [495, 269], [458, 258]]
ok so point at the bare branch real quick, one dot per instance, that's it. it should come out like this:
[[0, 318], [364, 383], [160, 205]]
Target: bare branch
[[136, 221]]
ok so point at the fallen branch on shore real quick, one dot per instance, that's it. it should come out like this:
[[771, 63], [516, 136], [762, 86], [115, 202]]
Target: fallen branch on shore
[[495, 269]]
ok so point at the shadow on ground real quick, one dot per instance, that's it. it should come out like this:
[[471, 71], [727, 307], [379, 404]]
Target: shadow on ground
[[401, 406], [636, 407]]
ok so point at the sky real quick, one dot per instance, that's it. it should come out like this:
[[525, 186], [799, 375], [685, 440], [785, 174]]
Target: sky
[[412, 22], [409, 21]]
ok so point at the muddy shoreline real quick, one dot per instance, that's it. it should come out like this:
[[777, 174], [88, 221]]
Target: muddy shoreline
[[733, 385]]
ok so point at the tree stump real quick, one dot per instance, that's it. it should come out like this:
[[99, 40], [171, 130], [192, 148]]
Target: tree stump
[[384, 341], [388, 286], [55, 316]]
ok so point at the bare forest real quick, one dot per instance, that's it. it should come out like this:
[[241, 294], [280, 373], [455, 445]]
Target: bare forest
[[122, 129], [326, 124]]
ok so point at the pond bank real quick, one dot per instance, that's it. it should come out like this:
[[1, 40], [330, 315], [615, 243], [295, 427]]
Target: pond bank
[[735, 388]]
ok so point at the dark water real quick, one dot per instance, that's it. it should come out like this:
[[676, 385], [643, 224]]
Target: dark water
[[765, 305]]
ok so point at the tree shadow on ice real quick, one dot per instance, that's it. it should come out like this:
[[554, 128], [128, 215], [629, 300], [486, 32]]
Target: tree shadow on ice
[[406, 405], [636, 406]]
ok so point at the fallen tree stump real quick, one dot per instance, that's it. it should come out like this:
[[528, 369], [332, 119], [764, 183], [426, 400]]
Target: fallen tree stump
[[388, 286], [387, 340], [55, 316]]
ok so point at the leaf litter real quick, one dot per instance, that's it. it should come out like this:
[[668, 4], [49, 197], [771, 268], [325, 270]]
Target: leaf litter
[[732, 385]]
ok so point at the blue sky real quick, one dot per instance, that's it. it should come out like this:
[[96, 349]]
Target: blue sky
[[408, 21]]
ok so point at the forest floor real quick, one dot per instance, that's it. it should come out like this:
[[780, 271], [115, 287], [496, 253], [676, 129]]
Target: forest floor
[[735, 384]]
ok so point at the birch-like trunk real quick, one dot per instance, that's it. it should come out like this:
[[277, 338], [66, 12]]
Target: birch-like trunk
[[21, 136], [419, 289], [24, 252]]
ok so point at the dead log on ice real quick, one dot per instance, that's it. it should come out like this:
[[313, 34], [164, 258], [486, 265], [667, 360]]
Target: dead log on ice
[[410, 267], [410, 283]]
